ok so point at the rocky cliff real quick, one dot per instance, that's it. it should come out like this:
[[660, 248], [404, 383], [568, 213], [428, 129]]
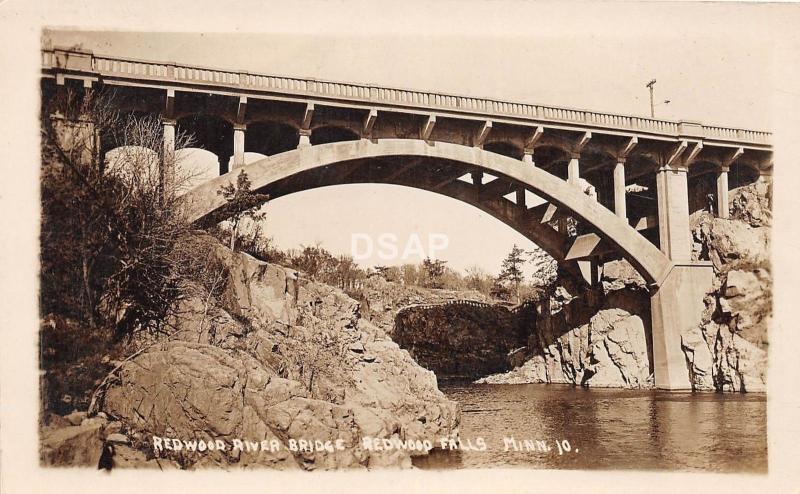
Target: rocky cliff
[[600, 336], [595, 337], [728, 351], [272, 358]]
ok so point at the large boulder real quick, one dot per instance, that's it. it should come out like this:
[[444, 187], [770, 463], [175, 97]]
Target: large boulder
[[618, 352], [730, 243], [745, 303], [728, 350], [72, 445], [720, 359], [751, 205], [92, 442], [610, 350]]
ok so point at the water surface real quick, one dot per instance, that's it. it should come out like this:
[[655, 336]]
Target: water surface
[[607, 429]]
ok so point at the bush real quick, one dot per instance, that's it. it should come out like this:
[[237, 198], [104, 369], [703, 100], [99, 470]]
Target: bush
[[108, 229]]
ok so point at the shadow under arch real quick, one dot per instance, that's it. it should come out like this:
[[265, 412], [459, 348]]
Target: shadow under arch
[[742, 174], [212, 133], [268, 137], [505, 148], [553, 158], [332, 162], [332, 133]]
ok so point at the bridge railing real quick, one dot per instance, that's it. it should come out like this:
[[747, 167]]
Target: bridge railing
[[468, 303], [737, 134], [447, 303], [121, 67]]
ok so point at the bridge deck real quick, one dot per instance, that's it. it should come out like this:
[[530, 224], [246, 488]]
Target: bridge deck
[[116, 70]]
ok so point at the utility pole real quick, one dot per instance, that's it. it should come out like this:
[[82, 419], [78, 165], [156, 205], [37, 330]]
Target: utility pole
[[652, 104]]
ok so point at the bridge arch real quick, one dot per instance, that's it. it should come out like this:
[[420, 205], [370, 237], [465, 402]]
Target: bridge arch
[[281, 169], [194, 166]]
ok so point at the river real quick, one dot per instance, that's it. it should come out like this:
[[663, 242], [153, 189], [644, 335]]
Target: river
[[605, 429]]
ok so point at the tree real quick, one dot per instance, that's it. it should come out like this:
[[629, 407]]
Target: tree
[[452, 280], [389, 273], [411, 274], [241, 203], [543, 268], [500, 290], [433, 269], [348, 274], [479, 280], [316, 262], [108, 228], [255, 243], [511, 269]]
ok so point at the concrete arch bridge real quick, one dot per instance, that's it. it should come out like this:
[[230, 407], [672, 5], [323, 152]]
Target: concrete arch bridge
[[529, 166]]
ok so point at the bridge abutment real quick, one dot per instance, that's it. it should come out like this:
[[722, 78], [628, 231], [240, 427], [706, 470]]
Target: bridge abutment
[[676, 307], [78, 138]]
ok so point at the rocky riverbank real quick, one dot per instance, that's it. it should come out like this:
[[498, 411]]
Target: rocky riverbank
[[273, 358], [599, 337]]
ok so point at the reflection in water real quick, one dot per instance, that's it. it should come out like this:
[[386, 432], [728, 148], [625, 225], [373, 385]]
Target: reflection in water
[[607, 429]]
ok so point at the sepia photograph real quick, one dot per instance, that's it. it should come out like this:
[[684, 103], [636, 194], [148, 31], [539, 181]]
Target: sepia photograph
[[301, 249]]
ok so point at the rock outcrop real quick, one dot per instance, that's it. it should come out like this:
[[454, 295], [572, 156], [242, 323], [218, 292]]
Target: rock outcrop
[[277, 359], [81, 441], [73, 445], [594, 337], [728, 351], [463, 339], [455, 333]]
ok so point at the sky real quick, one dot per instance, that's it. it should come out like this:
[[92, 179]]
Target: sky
[[717, 73]]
